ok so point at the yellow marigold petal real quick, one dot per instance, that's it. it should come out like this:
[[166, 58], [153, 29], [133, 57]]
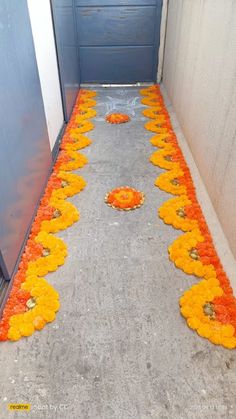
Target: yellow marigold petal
[[39, 322], [227, 330], [229, 343], [13, 334], [204, 330], [193, 323], [26, 329], [47, 314]]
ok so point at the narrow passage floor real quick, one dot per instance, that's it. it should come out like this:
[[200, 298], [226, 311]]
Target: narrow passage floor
[[119, 348]]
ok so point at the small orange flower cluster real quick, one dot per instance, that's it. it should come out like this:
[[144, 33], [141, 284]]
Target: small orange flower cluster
[[33, 302], [117, 118], [209, 306], [124, 198]]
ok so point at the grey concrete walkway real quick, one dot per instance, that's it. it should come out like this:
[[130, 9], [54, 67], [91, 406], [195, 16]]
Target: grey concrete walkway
[[119, 348]]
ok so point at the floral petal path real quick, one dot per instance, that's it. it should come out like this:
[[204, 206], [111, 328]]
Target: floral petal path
[[118, 347], [33, 302], [208, 306]]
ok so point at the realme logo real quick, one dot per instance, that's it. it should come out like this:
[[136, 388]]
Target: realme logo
[[18, 406]]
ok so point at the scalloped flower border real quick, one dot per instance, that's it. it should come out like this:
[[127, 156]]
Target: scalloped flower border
[[33, 302], [209, 306]]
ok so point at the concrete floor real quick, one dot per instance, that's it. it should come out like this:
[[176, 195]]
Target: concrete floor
[[119, 348]]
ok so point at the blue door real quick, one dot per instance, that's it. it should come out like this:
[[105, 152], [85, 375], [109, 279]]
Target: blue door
[[25, 156], [118, 40]]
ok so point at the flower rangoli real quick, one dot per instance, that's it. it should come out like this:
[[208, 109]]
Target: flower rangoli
[[33, 302], [125, 198], [209, 306], [117, 118]]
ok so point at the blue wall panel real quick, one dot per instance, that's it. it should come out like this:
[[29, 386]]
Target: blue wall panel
[[115, 64], [70, 75], [116, 25], [65, 26], [68, 52], [25, 156], [63, 3], [118, 40], [115, 2]]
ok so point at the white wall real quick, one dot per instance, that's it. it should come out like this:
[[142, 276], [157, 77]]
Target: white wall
[[41, 23], [200, 78]]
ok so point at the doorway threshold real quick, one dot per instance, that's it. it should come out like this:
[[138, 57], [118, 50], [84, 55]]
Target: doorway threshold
[[139, 84]]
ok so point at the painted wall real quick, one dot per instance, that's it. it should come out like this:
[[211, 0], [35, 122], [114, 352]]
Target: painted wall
[[200, 78], [42, 28], [25, 157]]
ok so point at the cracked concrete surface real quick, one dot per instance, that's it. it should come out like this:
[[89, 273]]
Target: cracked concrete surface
[[119, 348]]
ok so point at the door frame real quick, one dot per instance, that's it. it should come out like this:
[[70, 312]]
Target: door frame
[[58, 65]]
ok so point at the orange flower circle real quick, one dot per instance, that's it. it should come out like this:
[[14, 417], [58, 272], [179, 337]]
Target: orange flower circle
[[124, 198], [117, 118]]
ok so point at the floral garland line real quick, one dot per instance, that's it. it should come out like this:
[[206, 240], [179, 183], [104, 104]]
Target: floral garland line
[[208, 306], [33, 302]]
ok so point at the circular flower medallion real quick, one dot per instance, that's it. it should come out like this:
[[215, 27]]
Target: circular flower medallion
[[124, 198], [117, 118]]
